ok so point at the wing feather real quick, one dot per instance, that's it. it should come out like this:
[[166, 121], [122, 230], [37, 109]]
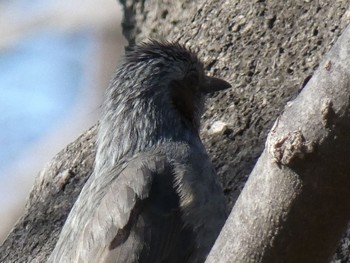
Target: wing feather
[[128, 214], [104, 208]]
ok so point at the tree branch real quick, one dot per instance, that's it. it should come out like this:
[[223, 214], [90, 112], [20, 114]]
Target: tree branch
[[296, 203]]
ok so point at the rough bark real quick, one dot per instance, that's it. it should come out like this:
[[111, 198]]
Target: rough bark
[[296, 203], [53, 195], [266, 49]]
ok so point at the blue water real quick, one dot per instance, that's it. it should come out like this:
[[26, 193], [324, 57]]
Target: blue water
[[40, 79]]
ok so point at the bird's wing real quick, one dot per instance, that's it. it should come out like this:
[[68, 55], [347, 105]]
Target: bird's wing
[[107, 233], [129, 214]]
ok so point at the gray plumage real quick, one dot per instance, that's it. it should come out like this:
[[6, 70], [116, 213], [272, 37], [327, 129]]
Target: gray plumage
[[153, 195]]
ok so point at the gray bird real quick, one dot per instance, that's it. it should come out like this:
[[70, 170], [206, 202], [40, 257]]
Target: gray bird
[[153, 195]]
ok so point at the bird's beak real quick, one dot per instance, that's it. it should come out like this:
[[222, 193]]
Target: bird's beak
[[212, 84]]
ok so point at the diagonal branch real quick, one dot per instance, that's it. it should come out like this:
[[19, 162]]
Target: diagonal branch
[[296, 203]]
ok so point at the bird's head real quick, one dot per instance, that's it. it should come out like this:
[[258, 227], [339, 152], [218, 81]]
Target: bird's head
[[168, 76], [155, 96]]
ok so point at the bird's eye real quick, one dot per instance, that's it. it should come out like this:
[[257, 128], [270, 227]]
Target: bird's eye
[[192, 79]]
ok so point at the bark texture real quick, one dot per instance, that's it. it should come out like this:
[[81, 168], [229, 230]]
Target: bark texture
[[267, 50], [53, 195], [296, 204]]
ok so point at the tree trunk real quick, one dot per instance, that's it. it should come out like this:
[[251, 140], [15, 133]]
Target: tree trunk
[[266, 49]]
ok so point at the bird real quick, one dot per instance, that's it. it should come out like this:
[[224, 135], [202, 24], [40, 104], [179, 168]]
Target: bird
[[153, 195]]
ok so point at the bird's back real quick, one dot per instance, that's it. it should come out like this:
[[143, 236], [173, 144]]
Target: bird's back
[[156, 207]]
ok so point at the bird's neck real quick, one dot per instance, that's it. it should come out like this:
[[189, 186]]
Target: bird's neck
[[129, 128]]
